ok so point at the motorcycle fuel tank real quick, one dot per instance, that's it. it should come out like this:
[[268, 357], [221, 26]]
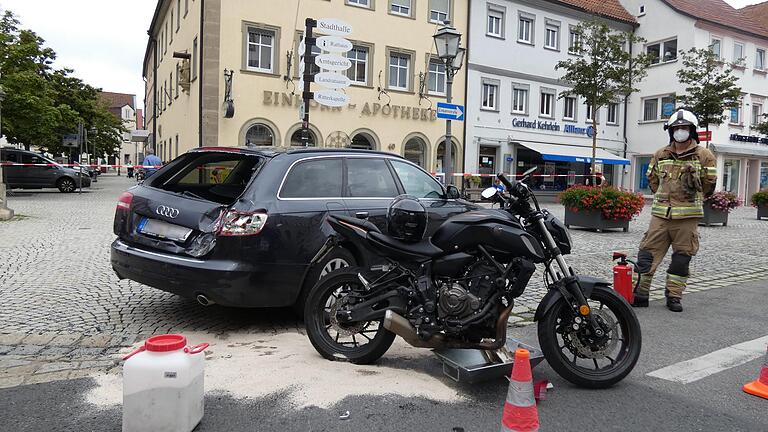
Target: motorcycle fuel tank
[[491, 228]]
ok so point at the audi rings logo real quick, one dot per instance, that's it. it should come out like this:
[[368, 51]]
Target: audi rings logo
[[168, 212]]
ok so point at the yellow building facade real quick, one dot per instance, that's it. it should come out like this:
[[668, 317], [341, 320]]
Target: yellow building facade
[[396, 77]]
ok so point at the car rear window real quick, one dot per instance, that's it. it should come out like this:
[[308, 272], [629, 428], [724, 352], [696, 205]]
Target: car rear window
[[315, 178], [217, 177]]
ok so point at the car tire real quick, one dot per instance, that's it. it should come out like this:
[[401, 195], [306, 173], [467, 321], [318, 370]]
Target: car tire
[[66, 185], [336, 258]]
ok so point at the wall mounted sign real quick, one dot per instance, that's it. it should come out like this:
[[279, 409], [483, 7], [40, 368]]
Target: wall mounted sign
[[333, 27], [331, 98], [333, 62], [748, 138], [333, 44], [332, 80]]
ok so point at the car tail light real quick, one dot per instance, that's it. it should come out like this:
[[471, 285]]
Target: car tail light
[[236, 223], [124, 202]]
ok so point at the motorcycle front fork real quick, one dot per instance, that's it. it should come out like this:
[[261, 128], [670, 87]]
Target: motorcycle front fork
[[568, 284]]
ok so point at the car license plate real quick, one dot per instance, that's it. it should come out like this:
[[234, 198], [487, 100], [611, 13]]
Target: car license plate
[[163, 230]]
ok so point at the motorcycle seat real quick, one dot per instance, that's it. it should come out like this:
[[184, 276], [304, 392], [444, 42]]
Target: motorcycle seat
[[362, 223], [401, 249]]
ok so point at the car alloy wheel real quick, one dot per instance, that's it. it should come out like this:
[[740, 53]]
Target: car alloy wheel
[[332, 265]]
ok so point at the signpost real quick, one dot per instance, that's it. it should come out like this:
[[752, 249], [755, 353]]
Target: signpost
[[330, 62], [449, 111]]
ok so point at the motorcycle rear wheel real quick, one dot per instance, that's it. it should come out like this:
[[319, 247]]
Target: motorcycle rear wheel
[[359, 343], [576, 360]]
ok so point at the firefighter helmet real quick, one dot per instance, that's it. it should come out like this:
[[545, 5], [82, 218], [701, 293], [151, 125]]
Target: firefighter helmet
[[683, 118]]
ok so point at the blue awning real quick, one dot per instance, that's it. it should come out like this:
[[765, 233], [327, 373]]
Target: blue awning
[[567, 153]]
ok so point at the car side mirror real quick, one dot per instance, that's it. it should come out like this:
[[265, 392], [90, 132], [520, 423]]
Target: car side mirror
[[452, 192]]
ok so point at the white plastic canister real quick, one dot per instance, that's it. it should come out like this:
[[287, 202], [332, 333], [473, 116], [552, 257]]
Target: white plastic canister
[[163, 385]]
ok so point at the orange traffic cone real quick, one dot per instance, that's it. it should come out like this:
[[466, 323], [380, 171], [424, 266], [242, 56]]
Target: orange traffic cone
[[520, 414], [759, 387]]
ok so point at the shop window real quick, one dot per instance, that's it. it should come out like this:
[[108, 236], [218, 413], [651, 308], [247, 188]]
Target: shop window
[[731, 175], [641, 181], [297, 139], [361, 141], [441, 154], [763, 175], [414, 151], [259, 135]]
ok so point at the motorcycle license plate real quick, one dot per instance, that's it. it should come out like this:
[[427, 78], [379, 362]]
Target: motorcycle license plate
[[163, 230]]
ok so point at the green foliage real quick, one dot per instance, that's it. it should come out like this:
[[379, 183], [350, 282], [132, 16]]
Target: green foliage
[[760, 198], [710, 86], [613, 203], [762, 127], [42, 103], [604, 71]]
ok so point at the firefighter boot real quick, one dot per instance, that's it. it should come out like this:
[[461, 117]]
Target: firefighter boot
[[675, 286], [643, 290]]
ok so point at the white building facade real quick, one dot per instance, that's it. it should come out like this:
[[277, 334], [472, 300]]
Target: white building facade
[[515, 116], [669, 27]]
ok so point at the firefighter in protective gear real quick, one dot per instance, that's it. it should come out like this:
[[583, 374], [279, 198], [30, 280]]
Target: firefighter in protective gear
[[681, 175]]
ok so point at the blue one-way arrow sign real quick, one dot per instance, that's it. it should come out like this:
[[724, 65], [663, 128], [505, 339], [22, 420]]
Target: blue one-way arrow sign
[[450, 111]]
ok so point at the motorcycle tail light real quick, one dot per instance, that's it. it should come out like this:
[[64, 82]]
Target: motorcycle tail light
[[236, 223], [124, 202]]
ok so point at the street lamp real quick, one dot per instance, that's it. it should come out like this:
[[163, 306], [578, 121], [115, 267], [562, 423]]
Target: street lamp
[[5, 212], [447, 41]]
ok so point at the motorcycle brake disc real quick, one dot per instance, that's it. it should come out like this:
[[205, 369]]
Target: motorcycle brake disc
[[577, 346], [345, 330]]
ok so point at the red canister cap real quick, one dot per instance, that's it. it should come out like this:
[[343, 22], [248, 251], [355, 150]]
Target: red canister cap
[[165, 343]]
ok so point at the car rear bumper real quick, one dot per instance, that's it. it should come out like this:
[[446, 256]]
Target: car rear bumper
[[226, 282]]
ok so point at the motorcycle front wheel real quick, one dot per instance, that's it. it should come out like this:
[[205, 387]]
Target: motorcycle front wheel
[[357, 342], [585, 360]]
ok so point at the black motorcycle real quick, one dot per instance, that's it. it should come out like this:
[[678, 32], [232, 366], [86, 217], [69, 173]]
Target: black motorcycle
[[457, 289]]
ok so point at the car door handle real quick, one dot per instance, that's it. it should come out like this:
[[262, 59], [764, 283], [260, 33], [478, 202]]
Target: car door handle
[[361, 215]]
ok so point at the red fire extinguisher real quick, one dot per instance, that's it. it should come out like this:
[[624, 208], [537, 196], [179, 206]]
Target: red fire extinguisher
[[622, 277]]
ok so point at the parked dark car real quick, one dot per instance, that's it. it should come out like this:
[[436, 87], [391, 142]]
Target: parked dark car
[[48, 174], [247, 227]]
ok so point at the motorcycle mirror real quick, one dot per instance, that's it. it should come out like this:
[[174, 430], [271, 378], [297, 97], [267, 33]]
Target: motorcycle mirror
[[530, 171], [489, 193]]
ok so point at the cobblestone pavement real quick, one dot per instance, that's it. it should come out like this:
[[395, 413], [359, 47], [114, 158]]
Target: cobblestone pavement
[[64, 311]]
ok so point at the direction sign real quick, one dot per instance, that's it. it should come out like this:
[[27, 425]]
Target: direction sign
[[450, 111], [332, 80], [331, 98], [302, 111], [333, 27], [72, 140], [332, 62], [333, 44]]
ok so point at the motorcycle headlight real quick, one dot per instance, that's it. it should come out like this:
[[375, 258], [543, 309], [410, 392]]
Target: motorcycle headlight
[[560, 233]]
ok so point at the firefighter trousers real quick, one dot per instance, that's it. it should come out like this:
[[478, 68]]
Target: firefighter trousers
[[683, 236]]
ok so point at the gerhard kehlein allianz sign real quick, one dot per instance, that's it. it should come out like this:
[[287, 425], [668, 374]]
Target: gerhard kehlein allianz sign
[[551, 126]]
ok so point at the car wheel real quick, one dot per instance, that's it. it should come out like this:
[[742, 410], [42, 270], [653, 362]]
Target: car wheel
[[66, 185], [335, 259]]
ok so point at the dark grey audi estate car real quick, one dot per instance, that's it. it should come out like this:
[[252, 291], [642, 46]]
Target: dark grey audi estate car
[[246, 226]]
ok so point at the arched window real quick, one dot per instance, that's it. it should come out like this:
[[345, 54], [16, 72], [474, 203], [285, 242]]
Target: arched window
[[297, 139], [259, 135], [415, 150], [441, 152], [361, 141]]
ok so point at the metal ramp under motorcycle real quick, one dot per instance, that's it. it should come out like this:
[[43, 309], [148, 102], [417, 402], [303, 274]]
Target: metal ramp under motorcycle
[[473, 365]]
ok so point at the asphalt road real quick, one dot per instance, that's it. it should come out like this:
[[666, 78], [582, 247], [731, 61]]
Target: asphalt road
[[713, 320]]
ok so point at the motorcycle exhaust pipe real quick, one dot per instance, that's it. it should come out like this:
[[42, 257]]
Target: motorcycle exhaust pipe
[[205, 301], [400, 326]]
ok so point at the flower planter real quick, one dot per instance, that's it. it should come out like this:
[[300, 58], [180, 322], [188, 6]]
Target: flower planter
[[712, 216], [593, 219], [762, 211]]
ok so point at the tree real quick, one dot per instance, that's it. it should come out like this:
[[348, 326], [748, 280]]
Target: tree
[[42, 103], [604, 71], [762, 127], [710, 86]]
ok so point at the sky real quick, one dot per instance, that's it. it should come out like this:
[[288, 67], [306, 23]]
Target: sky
[[104, 40]]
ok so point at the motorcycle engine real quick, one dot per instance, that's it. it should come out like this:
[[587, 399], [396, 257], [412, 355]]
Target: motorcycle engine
[[461, 299]]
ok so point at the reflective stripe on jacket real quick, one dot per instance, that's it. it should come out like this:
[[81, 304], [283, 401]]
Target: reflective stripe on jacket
[[673, 197]]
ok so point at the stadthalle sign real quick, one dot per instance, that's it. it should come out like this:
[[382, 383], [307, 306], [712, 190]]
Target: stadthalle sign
[[375, 109]]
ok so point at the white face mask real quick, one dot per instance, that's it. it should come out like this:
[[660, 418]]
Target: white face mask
[[681, 135]]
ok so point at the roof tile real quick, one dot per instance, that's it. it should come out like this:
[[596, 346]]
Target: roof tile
[[720, 12]]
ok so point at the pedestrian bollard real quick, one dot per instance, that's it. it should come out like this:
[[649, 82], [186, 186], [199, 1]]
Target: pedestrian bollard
[[163, 385]]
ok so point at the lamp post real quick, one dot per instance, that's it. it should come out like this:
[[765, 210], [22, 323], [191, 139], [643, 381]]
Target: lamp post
[[5, 212], [447, 40]]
